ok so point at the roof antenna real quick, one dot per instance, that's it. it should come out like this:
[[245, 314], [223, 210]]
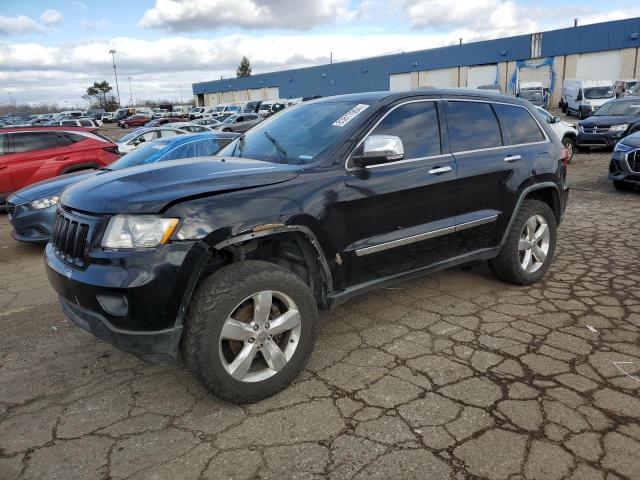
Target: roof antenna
[[331, 58], [575, 22]]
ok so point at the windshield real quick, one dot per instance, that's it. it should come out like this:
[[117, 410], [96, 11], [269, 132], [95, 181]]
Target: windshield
[[594, 93], [619, 108], [296, 135], [138, 156], [531, 95], [230, 119]]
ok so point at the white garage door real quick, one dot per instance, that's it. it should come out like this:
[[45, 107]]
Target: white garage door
[[599, 66], [482, 75], [255, 94], [241, 96], [273, 93], [441, 78], [399, 82], [530, 74], [227, 97]]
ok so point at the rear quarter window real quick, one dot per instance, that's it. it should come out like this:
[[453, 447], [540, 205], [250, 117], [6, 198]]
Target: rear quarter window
[[518, 125], [472, 126]]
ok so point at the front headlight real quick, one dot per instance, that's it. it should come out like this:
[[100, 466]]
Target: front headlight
[[41, 203], [619, 128], [138, 231]]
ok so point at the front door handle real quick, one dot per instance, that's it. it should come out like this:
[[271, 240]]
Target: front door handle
[[512, 158], [438, 170]]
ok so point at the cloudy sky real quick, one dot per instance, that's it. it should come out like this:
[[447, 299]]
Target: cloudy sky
[[50, 51]]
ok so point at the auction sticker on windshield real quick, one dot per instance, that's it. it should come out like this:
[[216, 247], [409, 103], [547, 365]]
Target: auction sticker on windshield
[[350, 115]]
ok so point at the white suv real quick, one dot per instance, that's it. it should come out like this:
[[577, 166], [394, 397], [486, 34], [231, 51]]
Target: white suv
[[566, 132]]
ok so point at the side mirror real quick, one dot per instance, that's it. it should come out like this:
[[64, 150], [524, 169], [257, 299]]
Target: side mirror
[[378, 149]]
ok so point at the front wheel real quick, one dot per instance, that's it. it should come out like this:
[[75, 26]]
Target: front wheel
[[569, 143], [528, 251], [249, 330]]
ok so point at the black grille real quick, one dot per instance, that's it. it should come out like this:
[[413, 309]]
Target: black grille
[[596, 129], [634, 161], [11, 208], [70, 238]]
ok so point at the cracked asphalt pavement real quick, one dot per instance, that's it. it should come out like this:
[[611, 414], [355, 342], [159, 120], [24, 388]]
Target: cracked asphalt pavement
[[453, 376]]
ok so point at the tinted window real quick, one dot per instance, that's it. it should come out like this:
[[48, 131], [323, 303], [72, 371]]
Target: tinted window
[[472, 125], [518, 126], [86, 123], [30, 141], [417, 126], [69, 123], [2, 152]]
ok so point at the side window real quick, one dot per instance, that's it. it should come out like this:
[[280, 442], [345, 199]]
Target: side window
[[168, 133], [417, 126], [3, 149], [31, 141], [518, 126], [69, 123], [86, 123], [150, 136], [472, 125]]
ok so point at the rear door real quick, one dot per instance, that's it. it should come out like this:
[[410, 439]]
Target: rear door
[[495, 147], [36, 156], [397, 216]]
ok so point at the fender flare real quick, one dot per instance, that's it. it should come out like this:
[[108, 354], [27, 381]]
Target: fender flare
[[306, 231], [523, 196]]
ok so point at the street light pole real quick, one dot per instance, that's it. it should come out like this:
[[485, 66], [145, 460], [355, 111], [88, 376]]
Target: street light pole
[[130, 93], [115, 72]]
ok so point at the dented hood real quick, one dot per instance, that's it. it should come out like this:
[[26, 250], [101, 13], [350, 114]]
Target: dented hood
[[150, 188]]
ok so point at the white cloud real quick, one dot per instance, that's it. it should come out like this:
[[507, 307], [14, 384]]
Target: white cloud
[[51, 17], [79, 5], [192, 15], [18, 25]]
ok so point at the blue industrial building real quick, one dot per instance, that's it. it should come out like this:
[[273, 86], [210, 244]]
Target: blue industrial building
[[603, 50]]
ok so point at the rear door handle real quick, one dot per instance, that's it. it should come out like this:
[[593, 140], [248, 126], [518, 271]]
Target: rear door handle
[[438, 170], [512, 158]]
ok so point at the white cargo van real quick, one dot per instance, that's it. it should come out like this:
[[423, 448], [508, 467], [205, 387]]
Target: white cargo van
[[584, 97], [534, 92]]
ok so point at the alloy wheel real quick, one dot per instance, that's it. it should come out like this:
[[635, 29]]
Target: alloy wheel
[[260, 336], [533, 246]]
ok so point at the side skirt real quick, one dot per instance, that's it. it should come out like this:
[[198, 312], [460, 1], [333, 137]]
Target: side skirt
[[338, 298]]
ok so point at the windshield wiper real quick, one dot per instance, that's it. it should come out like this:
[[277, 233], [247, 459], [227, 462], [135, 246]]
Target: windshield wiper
[[281, 151]]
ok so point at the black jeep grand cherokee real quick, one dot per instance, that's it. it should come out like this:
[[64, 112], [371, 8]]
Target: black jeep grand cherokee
[[231, 256]]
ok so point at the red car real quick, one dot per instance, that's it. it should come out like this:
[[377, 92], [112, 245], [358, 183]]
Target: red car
[[31, 154], [134, 121]]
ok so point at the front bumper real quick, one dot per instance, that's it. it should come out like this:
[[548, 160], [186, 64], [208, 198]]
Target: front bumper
[[135, 300], [33, 226], [605, 139]]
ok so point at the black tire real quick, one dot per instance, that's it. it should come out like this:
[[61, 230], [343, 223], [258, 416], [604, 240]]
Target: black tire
[[565, 108], [623, 186], [506, 266], [569, 143], [215, 299]]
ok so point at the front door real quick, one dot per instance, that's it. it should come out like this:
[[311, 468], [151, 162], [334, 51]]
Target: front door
[[397, 216]]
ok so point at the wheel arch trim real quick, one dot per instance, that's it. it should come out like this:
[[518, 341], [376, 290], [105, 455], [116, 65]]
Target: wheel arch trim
[[522, 198], [262, 233]]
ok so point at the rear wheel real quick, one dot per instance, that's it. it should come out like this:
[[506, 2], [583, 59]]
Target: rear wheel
[[249, 330], [528, 251], [569, 143]]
